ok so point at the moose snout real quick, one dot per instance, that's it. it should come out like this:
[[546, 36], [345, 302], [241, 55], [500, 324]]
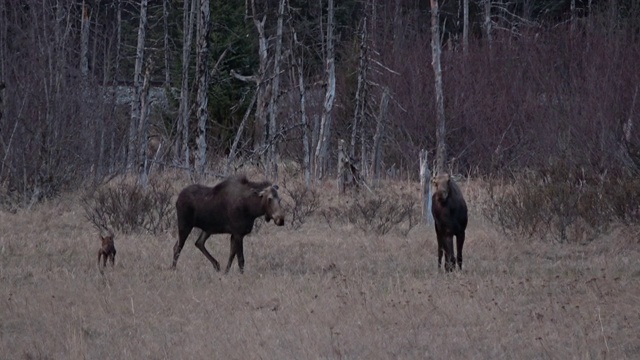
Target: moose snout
[[278, 220]]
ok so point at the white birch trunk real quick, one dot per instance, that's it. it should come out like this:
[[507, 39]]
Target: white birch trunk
[[361, 89], [165, 28], [260, 133], [325, 124], [306, 160], [137, 85], [465, 27], [202, 74], [182, 136], [425, 188], [272, 153], [436, 48]]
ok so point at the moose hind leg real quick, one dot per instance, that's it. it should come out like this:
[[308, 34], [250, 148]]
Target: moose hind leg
[[459, 243], [183, 234], [200, 245]]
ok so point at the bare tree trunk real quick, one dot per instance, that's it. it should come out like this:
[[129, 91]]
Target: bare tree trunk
[[3, 47], [436, 48], [202, 74], [116, 70], [137, 86], [181, 148], [143, 127], [116, 160], [425, 187], [260, 133], [325, 123], [342, 178], [84, 41], [376, 159], [465, 27], [361, 90], [272, 153], [167, 52], [487, 21], [97, 30], [306, 160]]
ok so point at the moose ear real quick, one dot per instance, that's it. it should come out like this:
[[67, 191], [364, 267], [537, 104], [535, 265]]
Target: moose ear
[[275, 187]]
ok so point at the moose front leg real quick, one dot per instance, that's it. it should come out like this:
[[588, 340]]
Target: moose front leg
[[236, 249], [200, 245]]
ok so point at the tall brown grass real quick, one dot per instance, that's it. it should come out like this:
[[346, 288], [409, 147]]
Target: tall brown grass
[[316, 292]]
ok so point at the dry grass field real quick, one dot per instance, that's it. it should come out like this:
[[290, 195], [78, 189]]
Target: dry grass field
[[318, 292]]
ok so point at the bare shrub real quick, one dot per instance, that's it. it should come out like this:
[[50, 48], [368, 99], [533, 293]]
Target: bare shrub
[[377, 212], [131, 208], [563, 203], [300, 203]]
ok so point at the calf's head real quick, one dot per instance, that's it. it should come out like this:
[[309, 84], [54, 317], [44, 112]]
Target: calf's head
[[106, 239], [441, 187], [271, 205]]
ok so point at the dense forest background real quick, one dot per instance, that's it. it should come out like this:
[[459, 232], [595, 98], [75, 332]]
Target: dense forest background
[[94, 88]]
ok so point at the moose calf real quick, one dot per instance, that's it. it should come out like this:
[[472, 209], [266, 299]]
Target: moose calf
[[107, 250]]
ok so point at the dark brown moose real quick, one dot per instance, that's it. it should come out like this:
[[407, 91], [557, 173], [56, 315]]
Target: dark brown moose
[[450, 216], [230, 207], [107, 249]]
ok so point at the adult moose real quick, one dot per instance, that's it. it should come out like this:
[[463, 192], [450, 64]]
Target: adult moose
[[450, 216], [230, 207]]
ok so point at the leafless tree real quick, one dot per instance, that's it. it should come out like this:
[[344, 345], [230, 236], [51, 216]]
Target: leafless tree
[[137, 87], [167, 49], [202, 74], [465, 27], [361, 89], [322, 147], [181, 148], [262, 85], [143, 127], [306, 146], [436, 49], [487, 21], [272, 153], [84, 40]]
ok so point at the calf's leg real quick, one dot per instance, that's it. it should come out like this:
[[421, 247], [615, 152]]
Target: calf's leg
[[200, 245]]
